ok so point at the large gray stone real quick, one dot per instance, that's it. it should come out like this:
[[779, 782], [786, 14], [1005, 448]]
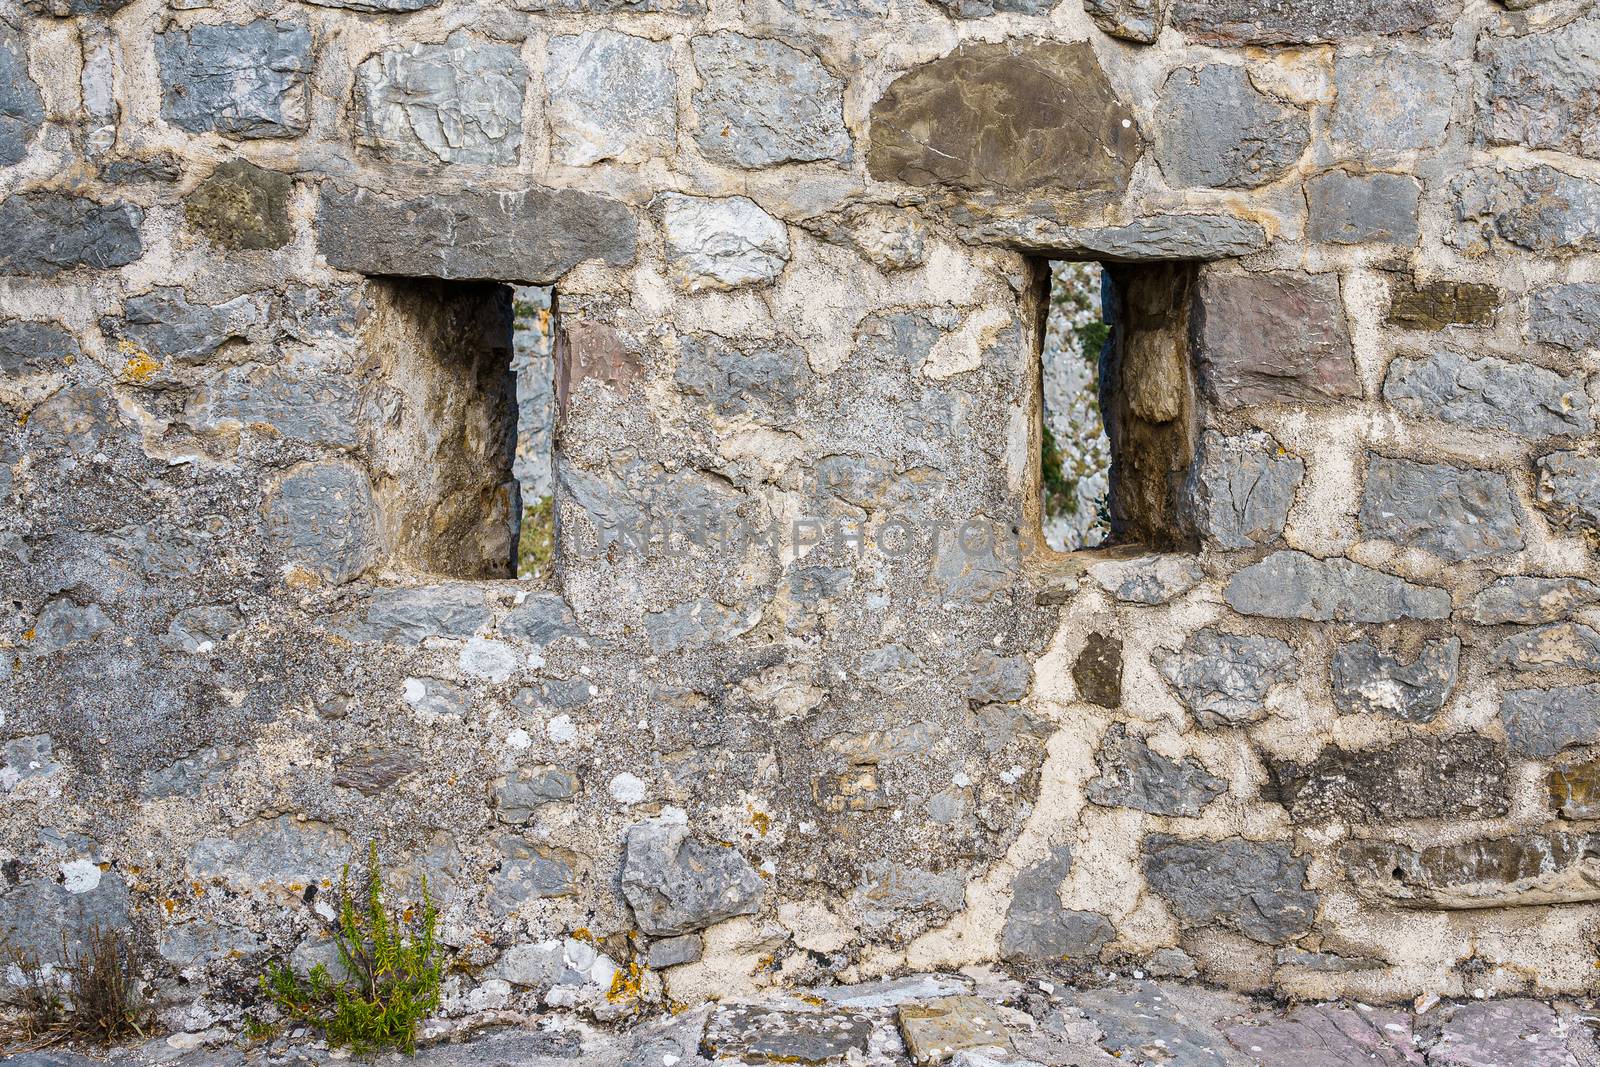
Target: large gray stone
[[68, 8], [1148, 579], [1256, 888], [1222, 678], [455, 102], [762, 102], [1278, 337], [1524, 1032], [1419, 777], [243, 80], [1458, 513], [1266, 22], [1151, 237], [1349, 209], [1538, 89], [1215, 129], [1389, 103], [1038, 929], [412, 615], [41, 916], [540, 620], [1140, 1023], [27, 758], [1536, 208], [1240, 489], [1530, 599], [1131, 20], [64, 622], [531, 235], [1490, 394], [612, 96], [758, 1033], [1569, 490], [763, 382], [1328, 1035], [518, 795], [165, 326], [1562, 645], [677, 884], [977, 9], [1541, 722], [323, 518], [283, 400], [1293, 585], [35, 350], [383, 7], [1132, 775], [1368, 680], [722, 243], [21, 106], [528, 872], [47, 233], [1566, 315], [282, 852]]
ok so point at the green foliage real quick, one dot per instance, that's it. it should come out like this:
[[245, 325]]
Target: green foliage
[[392, 970], [1059, 497], [1092, 337], [536, 543]]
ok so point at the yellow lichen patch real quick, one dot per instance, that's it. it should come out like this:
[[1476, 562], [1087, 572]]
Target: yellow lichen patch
[[582, 934], [139, 365], [761, 821], [626, 983], [168, 905], [22, 420], [199, 890], [28, 635]]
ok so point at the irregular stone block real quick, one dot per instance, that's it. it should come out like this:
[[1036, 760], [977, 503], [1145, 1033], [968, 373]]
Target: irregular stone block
[[1538, 89], [412, 615], [1368, 680], [541, 619], [202, 629], [34, 756], [47, 233], [977, 9], [527, 873], [1418, 777], [322, 518], [761, 102], [1132, 775], [1536, 208], [754, 1033], [1433, 305], [677, 884], [1141, 1022], [612, 96], [1458, 513], [722, 243], [1524, 1032], [1271, 338], [1215, 129], [1223, 679], [1566, 315], [282, 400], [238, 79], [1528, 870], [517, 796], [1131, 20], [1240, 489], [42, 917], [672, 951], [1530, 600], [1064, 132], [282, 853], [1490, 394], [21, 106], [1555, 647], [164, 326], [242, 207], [1389, 103], [935, 1029], [379, 7], [992, 678], [1256, 888], [670, 7], [1334, 1035], [373, 773], [1153, 237], [1267, 22], [1575, 790], [1097, 672], [1148, 579], [1348, 209], [63, 623], [1038, 929], [764, 382], [161, 167], [455, 102], [1569, 490], [68, 8], [837, 9], [1293, 585], [1542, 722], [35, 350], [531, 235]]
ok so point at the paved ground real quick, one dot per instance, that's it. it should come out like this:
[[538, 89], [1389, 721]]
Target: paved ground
[[967, 1021]]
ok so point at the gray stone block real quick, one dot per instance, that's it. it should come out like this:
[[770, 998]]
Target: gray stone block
[[1463, 776], [1490, 394], [1368, 680], [1139, 21], [612, 96], [672, 951], [242, 206], [21, 106], [722, 243], [1349, 209], [42, 916], [518, 795], [531, 235], [1148, 579], [244, 80], [1538, 89], [1389, 103], [1215, 129], [1559, 646], [1457, 513], [1038, 929], [35, 350], [1152, 237], [1222, 678], [166, 327], [1541, 722], [1569, 489], [412, 615], [1566, 315], [1256, 888], [1278, 337], [1132, 775], [1293, 585], [459, 101], [527, 873], [279, 400], [1240, 489], [762, 102], [47, 233], [323, 518], [1529, 599], [763, 382], [1537, 208], [1267, 22], [677, 884]]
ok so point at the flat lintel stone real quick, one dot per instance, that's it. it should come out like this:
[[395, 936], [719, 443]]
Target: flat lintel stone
[[531, 235]]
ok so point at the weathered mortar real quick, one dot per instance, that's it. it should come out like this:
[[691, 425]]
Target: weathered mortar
[[247, 616]]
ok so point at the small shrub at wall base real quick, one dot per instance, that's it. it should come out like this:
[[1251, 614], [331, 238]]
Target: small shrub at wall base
[[90, 994], [392, 970]]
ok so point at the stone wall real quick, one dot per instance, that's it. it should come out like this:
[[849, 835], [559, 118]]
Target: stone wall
[[1333, 737]]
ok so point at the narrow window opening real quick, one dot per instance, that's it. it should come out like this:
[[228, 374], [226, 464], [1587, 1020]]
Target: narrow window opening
[[533, 365], [1115, 432]]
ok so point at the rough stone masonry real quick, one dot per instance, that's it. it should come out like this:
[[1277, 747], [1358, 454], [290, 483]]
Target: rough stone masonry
[[1324, 720]]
